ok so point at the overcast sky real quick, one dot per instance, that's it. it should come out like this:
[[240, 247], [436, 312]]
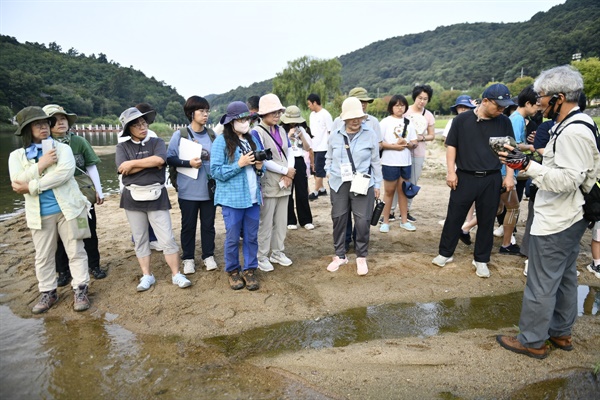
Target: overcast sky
[[203, 47]]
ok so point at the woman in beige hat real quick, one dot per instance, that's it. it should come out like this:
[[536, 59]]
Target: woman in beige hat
[[296, 128], [42, 171]]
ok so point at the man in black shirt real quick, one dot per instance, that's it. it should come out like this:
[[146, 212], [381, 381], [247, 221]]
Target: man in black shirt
[[474, 175]]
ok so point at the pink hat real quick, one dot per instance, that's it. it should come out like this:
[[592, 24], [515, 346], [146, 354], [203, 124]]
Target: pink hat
[[269, 103]]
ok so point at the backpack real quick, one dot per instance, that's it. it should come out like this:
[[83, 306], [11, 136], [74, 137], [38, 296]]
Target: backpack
[[173, 170], [591, 207]]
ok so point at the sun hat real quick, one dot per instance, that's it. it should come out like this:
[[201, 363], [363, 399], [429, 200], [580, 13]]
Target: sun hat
[[499, 93], [235, 110], [462, 100], [361, 94], [28, 115], [269, 103], [351, 108], [130, 115], [292, 115], [52, 109], [410, 190]]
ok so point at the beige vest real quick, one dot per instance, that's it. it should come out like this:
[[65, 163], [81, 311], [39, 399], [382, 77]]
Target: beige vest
[[270, 180]]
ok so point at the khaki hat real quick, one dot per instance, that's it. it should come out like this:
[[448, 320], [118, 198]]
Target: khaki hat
[[269, 103], [292, 115], [361, 94], [28, 115], [130, 115], [351, 108], [52, 109]]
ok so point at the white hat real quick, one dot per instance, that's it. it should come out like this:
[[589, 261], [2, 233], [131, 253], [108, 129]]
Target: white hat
[[352, 108]]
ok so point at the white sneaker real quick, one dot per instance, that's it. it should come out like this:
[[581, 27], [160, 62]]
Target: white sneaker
[[189, 267], [336, 263], [441, 261], [482, 269], [180, 280], [210, 263], [526, 267], [499, 231], [513, 240], [278, 257], [264, 264], [145, 283], [361, 266], [309, 227], [292, 227], [155, 246], [408, 226]]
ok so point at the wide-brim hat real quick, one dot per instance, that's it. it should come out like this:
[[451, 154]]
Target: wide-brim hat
[[351, 108], [28, 115], [52, 109], [269, 103], [292, 115], [132, 114], [410, 190], [235, 110], [361, 94], [462, 100], [499, 93]]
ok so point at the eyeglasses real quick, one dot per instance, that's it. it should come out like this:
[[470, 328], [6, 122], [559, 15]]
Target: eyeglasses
[[276, 113], [498, 106], [40, 124], [140, 124], [203, 111]]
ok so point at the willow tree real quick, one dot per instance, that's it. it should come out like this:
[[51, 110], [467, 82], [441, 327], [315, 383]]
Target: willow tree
[[307, 75]]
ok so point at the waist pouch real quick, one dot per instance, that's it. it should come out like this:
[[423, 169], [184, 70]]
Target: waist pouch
[[145, 193]]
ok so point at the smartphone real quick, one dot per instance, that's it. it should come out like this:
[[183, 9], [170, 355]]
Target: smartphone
[[47, 145]]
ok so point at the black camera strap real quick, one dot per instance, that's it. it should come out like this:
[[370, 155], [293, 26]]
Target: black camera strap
[[347, 146], [272, 138]]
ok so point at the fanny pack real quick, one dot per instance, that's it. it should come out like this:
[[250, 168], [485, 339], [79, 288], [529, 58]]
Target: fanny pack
[[145, 193]]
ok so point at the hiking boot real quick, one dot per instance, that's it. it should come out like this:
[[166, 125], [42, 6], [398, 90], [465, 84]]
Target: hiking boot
[[63, 278], [594, 269], [265, 265], [511, 343], [250, 279], [180, 280], [210, 263], [408, 226], [411, 218], [98, 273], [278, 257], [361, 266], [47, 300], [511, 250], [441, 261], [235, 280], [562, 342], [145, 282], [482, 270], [82, 302], [337, 263], [465, 238], [189, 267]]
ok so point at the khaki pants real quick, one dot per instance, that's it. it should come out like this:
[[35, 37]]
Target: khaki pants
[[45, 242], [272, 228]]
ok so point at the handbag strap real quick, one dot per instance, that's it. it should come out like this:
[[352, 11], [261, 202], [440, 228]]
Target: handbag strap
[[347, 146], [269, 133]]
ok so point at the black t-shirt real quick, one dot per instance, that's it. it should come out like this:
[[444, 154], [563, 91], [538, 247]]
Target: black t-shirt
[[471, 140]]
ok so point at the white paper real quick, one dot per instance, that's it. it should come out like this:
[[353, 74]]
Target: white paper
[[188, 150], [47, 145]]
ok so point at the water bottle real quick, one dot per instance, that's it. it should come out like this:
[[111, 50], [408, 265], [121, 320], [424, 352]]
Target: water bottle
[[377, 212]]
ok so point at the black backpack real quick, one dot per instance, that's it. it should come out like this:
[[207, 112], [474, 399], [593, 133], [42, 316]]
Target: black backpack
[[172, 169]]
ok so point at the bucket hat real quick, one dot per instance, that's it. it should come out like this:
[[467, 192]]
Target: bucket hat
[[499, 93], [130, 115], [361, 94], [409, 189], [235, 110], [292, 115], [269, 103], [28, 115], [462, 100], [52, 109], [351, 108]]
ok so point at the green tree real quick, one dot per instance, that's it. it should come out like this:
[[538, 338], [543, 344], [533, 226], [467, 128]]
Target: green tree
[[519, 84], [307, 75], [174, 113], [590, 70]]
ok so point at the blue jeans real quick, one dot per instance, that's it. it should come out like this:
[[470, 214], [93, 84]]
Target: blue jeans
[[236, 220]]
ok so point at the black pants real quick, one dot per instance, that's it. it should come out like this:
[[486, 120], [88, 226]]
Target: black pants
[[90, 244], [485, 192], [189, 221], [300, 187]]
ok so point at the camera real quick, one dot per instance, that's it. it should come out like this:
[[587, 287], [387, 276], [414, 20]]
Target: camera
[[262, 155]]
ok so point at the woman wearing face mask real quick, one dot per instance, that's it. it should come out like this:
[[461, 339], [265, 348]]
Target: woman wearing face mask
[[85, 160], [54, 206], [238, 192]]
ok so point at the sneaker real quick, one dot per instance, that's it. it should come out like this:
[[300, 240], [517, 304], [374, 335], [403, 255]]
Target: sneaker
[[441, 261], [392, 217], [97, 273], [264, 264], [527, 267], [292, 227], [309, 227], [278, 257], [63, 278], [322, 192], [251, 281], [313, 196], [361, 266], [155, 246], [511, 250], [411, 218], [465, 238], [408, 226], [235, 280], [594, 269], [385, 228], [145, 283], [47, 300], [189, 267], [513, 240], [210, 263], [499, 231], [337, 263], [180, 280], [82, 302], [482, 270]]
